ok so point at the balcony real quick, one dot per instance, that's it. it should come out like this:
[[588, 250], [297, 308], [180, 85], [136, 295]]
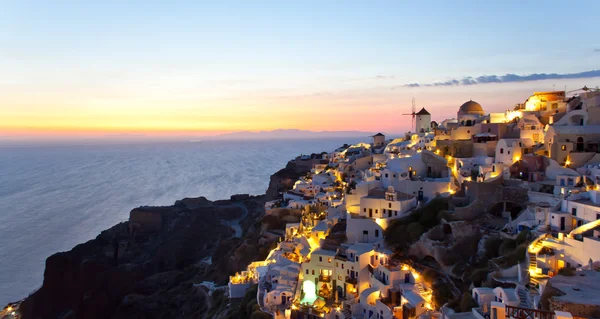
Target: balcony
[[351, 280], [324, 278]]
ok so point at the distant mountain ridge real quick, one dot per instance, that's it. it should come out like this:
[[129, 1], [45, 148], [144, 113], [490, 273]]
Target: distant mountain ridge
[[291, 134]]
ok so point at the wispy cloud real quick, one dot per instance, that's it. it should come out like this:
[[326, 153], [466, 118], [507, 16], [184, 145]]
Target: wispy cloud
[[507, 78], [384, 77]]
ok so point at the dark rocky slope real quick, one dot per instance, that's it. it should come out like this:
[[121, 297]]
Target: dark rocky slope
[[149, 267]]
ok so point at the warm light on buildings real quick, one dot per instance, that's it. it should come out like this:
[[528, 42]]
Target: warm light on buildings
[[567, 162]]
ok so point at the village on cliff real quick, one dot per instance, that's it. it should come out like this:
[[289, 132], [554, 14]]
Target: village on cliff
[[522, 188]]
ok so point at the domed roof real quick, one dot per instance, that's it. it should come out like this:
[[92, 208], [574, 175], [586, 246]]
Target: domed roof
[[471, 107]]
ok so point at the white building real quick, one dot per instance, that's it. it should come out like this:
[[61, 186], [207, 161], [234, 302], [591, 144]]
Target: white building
[[423, 121], [510, 150]]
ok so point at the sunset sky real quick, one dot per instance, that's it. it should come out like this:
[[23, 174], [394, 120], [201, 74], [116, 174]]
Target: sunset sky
[[76, 68]]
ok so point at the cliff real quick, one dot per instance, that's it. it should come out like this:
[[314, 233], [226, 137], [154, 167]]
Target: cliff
[[150, 266]]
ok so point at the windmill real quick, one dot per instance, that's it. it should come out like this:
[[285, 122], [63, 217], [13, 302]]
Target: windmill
[[414, 110]]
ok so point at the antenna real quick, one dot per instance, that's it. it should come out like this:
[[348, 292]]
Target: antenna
[[413, 114]]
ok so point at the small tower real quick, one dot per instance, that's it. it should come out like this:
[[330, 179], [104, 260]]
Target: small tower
[[378, 140], [390, 194], [423, 124]]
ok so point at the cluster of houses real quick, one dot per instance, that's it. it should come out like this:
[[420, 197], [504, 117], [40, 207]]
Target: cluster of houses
[[542, 154]]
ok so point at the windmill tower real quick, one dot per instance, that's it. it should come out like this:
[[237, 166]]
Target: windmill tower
[[413, 114]]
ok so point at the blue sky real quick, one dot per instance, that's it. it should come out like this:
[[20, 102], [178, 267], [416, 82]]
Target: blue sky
[[69, 51]]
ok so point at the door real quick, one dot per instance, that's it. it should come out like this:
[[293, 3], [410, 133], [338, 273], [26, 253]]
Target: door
[[283, 299], [365, 236], [370, 213], [573, 223], [560, 265], [407, 278], [562, 223]]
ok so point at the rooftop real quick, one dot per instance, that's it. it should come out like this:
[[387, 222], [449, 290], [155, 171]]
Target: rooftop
[[380, 193], [423, 111], [583, 288]]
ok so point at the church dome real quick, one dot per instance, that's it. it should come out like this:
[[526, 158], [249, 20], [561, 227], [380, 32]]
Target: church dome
[[471, 107]]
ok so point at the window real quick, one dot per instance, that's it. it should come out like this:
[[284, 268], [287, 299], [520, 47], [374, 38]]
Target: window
[[597, 216], [394, 175], [376, 233], [365, 232], [376, 211], [501, 151], [395, 213], [389, 205], [342, 266], [339, 277], [563, 148], [508, 152], [365, 209], [337, 264], [386, 175], [574, 211], [320, 258], [307, 271], [313, 272], [376, 256]]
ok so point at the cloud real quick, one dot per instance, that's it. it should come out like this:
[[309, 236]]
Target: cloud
[[509, 77], [384, 77], [596, 50]]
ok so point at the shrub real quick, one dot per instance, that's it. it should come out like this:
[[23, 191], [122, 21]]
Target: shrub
[[467, 303], [507, 246], [492, 246], [479, 276], [522, 237]]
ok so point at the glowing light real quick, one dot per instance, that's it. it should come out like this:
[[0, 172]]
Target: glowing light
[[405, 267], [567, 162], [517, 158], [450, 190], [9, 309], [416, 275], [310, 291]]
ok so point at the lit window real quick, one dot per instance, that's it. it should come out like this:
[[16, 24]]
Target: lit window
[[563, 148]]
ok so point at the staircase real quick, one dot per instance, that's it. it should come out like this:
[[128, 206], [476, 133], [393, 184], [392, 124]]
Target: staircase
[[420, 288], [532, 262], [524, 297], [347, 313]]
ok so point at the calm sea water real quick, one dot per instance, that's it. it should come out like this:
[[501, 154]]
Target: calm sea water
[[53, 198]]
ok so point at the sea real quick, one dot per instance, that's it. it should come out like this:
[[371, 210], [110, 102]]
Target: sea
[[55, 197]]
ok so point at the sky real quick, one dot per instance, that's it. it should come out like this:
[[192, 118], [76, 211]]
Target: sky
[[170, 68]]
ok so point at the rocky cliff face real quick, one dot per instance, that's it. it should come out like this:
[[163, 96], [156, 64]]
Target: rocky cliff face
[[150, 266], [284, 180]]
